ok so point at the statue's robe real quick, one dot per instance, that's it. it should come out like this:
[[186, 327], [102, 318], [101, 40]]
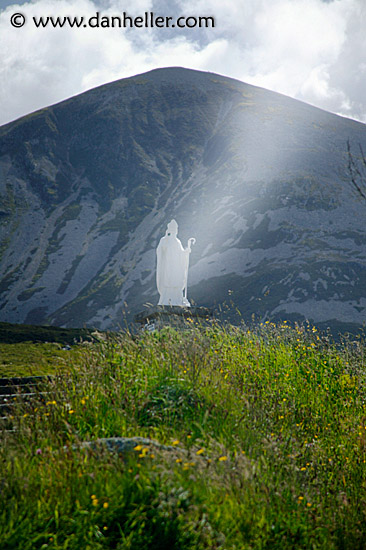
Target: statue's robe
[[172, 271]]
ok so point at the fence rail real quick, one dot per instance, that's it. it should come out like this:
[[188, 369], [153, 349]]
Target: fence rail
[[17, 390]]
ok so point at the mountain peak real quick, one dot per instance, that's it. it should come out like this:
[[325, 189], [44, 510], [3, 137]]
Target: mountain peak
[[88, 185]]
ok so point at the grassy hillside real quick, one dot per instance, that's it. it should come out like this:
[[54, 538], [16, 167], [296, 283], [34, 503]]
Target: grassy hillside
[[13, 333], [29, 350], [36, 359], [264, 446]]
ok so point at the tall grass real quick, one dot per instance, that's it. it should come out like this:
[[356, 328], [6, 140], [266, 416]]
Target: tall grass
[[263, 435]]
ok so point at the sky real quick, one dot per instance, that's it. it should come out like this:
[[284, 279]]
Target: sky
[[311, 50]]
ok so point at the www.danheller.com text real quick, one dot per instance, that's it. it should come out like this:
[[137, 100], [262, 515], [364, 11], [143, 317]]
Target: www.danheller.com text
[[148, 20]]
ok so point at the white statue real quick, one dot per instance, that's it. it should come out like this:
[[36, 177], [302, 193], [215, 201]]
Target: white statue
[[172, 268]]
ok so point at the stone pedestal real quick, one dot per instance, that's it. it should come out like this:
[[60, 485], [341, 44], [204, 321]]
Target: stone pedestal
[[157, 317]]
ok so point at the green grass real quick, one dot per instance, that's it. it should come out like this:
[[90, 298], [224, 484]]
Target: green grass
[[35, 359], [13, 333], [267, 437], [29, 350]]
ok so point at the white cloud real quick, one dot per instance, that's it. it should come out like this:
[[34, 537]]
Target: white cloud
[[309, 49], [295, 47]]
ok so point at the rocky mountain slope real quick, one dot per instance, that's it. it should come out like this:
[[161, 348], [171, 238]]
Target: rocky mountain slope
[[88, 185]]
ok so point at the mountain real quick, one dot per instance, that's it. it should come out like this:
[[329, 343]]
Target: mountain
[[88, 185]]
